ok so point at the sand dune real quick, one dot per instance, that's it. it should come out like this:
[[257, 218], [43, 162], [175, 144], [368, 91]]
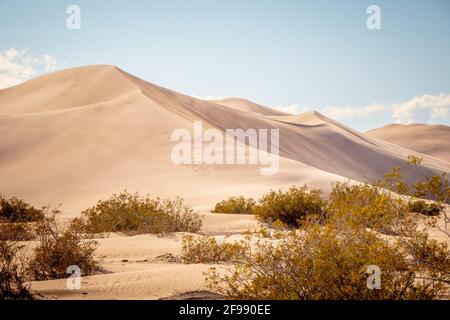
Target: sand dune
[[78, 135], [433, 140], [248, 106]]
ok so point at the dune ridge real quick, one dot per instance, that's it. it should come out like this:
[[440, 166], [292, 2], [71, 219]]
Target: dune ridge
[[432, 140], [78, 135]]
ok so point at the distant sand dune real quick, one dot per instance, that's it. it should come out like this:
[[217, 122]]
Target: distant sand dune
[[433, 140], [78, 135]]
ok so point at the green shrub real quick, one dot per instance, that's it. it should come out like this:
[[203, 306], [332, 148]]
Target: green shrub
[[363, 205], [12, 274], [327, 262], [202, 249], [291, 207], [428, 209], [57, 250], [239, 205], [17, 210], [132, 213]]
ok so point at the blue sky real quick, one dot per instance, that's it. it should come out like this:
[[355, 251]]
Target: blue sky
[[296, 55]]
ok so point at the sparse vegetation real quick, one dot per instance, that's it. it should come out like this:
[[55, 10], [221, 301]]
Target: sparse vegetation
[[328, 262], [16, 232], [132, 213], [365, 206], [57, 250], [13, 285], [201, 249], [427, 209], [17, 210], [291, 207], [237, 205]]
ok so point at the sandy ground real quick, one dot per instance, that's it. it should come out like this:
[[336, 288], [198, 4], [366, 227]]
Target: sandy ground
[[143, 266], [139, 267]]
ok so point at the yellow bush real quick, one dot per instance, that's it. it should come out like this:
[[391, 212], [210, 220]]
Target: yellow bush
[[57, 250], [17, 210], [239, 205], [325, 262], [365, 206], [291, 207], [13, 285], [132, 213], [200, 249]]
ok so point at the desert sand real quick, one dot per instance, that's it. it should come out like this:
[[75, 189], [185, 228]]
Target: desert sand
[[143, 266], [79, 135], [428, 139]]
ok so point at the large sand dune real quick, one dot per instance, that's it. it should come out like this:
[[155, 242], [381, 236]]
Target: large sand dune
[[433, 140], [78, 135]]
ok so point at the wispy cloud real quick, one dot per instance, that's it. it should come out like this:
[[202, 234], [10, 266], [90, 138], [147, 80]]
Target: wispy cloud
[[437, 107], [207, 97], [292, 108], [352, 112], [19, 65], [425, 108]]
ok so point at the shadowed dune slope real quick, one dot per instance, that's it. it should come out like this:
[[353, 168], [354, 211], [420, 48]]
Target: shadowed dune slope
[[433, 140], [80, 134], [248, 106]]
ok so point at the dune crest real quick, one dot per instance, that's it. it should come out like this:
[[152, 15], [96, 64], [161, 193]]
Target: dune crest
[[78, 135], [433, 140]]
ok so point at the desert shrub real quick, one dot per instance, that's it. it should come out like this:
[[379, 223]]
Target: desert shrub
[[16, 232], [202, 249], [12, 280], [428, 209], [326, 262], [57, 250], [17, 210], [132, 213], [366, 206], [291, 207], [235, 205]]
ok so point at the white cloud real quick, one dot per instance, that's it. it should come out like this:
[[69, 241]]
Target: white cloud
[[352, 112], [437, 107], [433, 107], [19, 65], [207, 97], [292, 108]]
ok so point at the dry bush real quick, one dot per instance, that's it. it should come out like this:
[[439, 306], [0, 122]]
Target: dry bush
[[57, 250], [132, 213], [291, 207], [330, 260], [16, 232], [427, 209], [12, 276], [202, 249], [238, 205], [365, 206], [326, 262], [17, 210]]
